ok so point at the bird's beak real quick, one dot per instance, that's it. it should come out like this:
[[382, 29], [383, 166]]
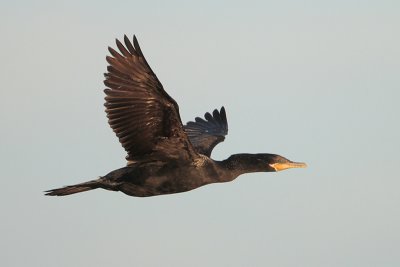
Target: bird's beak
[[287, 165]]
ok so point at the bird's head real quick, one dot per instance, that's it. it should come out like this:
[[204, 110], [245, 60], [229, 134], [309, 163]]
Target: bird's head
[[261, 163], [277, 163]]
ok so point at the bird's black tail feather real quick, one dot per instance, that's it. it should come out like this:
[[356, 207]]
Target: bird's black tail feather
[[73, 189]]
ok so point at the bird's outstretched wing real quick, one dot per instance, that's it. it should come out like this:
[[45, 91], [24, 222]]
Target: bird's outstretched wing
[[206, 134], [141, 113]]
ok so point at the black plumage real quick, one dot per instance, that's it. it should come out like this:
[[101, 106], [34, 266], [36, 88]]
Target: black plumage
[[164, 156], [206, 134]]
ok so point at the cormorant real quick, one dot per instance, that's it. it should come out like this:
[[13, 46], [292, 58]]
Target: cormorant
[[164, 156]]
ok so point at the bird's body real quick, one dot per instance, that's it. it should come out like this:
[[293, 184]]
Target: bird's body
[[158, 177], [164, 156]]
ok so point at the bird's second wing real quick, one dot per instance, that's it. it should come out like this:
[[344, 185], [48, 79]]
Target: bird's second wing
[[143, 116], [206, 133]]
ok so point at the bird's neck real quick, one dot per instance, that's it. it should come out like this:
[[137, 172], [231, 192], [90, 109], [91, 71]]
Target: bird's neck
[[238, 164]]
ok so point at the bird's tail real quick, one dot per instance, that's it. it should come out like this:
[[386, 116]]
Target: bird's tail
[[73, 189]]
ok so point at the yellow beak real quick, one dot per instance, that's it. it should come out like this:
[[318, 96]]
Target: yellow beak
[[287, 165]]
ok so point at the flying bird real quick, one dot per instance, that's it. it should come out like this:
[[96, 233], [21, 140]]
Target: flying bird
[[163, 155]]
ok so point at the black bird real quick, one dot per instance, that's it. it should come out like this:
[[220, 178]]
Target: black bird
[[164, 156]]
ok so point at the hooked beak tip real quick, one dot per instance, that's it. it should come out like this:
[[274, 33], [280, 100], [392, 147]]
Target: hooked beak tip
[[298, 165]]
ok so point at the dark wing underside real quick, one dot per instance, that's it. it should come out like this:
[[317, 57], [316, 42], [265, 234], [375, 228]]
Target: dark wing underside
[[143, 116], [206, 134]]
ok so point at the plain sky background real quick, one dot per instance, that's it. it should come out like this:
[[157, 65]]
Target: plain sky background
[[314, 81]]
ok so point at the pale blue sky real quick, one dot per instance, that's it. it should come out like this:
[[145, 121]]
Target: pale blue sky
[[314, 81]]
